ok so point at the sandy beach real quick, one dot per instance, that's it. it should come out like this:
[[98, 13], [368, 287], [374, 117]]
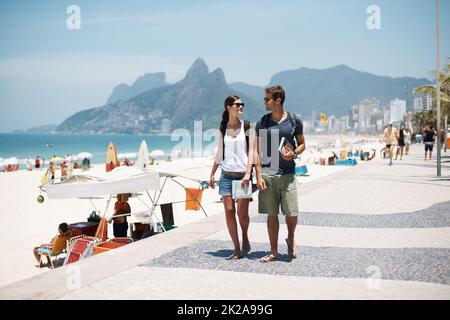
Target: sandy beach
[[29, 223]]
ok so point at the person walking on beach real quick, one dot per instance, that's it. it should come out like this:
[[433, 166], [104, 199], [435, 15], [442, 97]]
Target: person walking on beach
[[37, 162], [400, 142], [407, 140], [234, 156], [429, 137], [277, 133], [390, 138]]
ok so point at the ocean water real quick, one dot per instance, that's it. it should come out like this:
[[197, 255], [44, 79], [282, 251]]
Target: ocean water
[[46, 146]]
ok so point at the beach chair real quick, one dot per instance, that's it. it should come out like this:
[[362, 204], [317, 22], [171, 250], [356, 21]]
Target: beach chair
[[52, 257], [79, 247]]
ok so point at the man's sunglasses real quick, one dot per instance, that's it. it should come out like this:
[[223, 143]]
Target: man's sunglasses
[[267, 99]]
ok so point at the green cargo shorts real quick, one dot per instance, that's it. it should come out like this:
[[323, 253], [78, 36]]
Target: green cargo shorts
[[281, 191]]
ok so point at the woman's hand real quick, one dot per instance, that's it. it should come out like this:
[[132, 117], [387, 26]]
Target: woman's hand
[[211, 180], [245, 181], [261, 184]]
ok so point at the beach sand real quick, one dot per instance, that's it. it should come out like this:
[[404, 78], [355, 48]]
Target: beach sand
[[28, 223]]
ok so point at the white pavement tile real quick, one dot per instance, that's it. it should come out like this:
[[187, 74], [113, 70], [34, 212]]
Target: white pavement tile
[[168, 283]]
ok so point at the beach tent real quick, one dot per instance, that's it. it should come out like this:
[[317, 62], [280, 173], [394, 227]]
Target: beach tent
[[124, 180], [156, 153], [83, 155]]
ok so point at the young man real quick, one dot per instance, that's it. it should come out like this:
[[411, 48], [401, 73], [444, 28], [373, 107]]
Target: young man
[[275, 168], [390, 138], [429, 136]]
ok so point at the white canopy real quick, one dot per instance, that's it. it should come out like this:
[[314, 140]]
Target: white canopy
[[86, 187]]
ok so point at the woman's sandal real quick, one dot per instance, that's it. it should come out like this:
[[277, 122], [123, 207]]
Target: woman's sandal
[[268, 258], [291, 252]]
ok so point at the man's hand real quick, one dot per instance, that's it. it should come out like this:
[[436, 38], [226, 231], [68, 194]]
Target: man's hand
[[288, 155], [261, 184]]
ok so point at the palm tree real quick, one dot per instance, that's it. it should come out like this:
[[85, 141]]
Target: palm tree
[[429, 117]]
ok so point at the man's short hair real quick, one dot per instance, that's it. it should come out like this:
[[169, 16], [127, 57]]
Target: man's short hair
[[276, 92], [63, 227]]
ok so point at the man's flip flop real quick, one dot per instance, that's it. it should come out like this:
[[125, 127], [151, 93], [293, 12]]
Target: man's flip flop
[[233, 257], [268, 258], [290, 251]]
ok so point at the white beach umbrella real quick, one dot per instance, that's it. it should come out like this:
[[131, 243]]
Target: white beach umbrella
[[129, 155], [12, 161], [83, 155], [156, 153]]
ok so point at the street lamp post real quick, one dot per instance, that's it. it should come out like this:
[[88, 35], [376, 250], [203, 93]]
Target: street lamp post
[[438, 94]]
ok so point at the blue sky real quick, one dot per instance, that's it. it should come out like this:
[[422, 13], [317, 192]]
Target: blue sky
[[48, 72]]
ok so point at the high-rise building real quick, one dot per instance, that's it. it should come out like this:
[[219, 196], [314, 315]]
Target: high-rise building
[[165, 126], [397, 110], [422, 102], [365, 109]]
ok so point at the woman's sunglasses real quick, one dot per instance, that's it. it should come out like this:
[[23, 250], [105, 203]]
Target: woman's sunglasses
[[239, 105]]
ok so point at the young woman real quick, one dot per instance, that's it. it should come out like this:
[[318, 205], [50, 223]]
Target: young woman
[[235, 157], [400, 142]]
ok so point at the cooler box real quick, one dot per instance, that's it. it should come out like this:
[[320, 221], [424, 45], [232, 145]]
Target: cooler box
[[87, 228], [301, 170]]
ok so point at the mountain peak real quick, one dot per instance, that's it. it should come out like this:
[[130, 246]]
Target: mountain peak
[[198, 69], [143, 83], [342, 67]]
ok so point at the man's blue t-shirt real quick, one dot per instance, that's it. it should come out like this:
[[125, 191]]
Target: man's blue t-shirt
[[272, 161]]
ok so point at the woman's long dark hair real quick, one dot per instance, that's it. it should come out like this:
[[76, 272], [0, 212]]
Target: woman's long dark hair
[[229, 101]]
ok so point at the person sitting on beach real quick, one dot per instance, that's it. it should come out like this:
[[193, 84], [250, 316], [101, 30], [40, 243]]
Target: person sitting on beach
[[51, 171], [76, 165], [120, 225], [58, 244], [63, 171], [126, 162]]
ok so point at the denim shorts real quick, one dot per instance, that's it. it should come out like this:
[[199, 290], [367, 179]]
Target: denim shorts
[[44, 250], [225, 183]]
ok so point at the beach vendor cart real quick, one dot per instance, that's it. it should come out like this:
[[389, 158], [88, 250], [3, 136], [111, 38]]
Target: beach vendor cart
[[144, 186]]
